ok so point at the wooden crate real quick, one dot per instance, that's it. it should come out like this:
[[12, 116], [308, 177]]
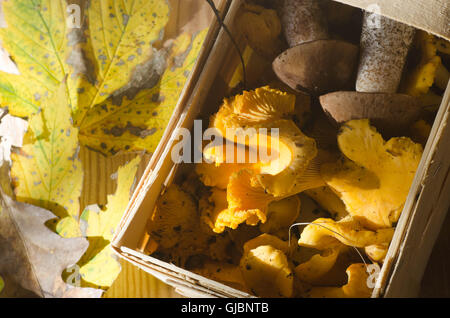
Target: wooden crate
[[424, 210]]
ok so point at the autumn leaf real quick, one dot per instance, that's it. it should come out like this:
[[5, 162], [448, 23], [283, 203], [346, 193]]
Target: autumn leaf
[[120, 36], [136, 120], [33, 257], [19, 100], [53, 60], [99, 265], [110, 86], [122, 86], [38, 41], [47, 172]]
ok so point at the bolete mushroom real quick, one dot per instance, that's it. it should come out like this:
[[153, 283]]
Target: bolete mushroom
[[384, 48], [314, 63]]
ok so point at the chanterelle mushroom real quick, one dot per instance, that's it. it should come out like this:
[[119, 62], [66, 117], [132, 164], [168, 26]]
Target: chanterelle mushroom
[[377, 252], [261, 27], [356, 287], [221, 210], [428, 71], [246, 202], [318, 265], [223, 272], [289, 169], [254, 109], [281, 215], [175, 212], [324, 233], [218, 175], [374, 178], [328, 200], [266, 269]]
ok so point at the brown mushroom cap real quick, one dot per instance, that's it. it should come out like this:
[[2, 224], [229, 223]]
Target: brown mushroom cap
[[318, 67], [390, 113]]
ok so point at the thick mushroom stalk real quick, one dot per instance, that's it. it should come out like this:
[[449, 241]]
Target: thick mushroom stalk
[[303, 21], [314, 63], [384, 48]]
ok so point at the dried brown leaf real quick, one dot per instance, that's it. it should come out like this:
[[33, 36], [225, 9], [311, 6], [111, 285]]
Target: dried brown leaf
[[33, 257]]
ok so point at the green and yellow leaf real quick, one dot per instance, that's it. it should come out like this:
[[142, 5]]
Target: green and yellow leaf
[[38, 41], [121, 87], [17, 96], [46, 171], [111, 86]]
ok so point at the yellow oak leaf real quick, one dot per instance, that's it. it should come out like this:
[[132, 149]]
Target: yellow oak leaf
[[46, 171], [99, 266]]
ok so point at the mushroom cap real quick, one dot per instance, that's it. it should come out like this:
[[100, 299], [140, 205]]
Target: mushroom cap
[[391, 113], [174, 218], [318, 265], [356, 287], [267, 272], [377, 252], [318, 67], [328, 200], [280, 215], [323, 234], [374, 177]]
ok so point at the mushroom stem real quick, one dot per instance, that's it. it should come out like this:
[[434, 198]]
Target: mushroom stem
[[303, 21], [384, 46]]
